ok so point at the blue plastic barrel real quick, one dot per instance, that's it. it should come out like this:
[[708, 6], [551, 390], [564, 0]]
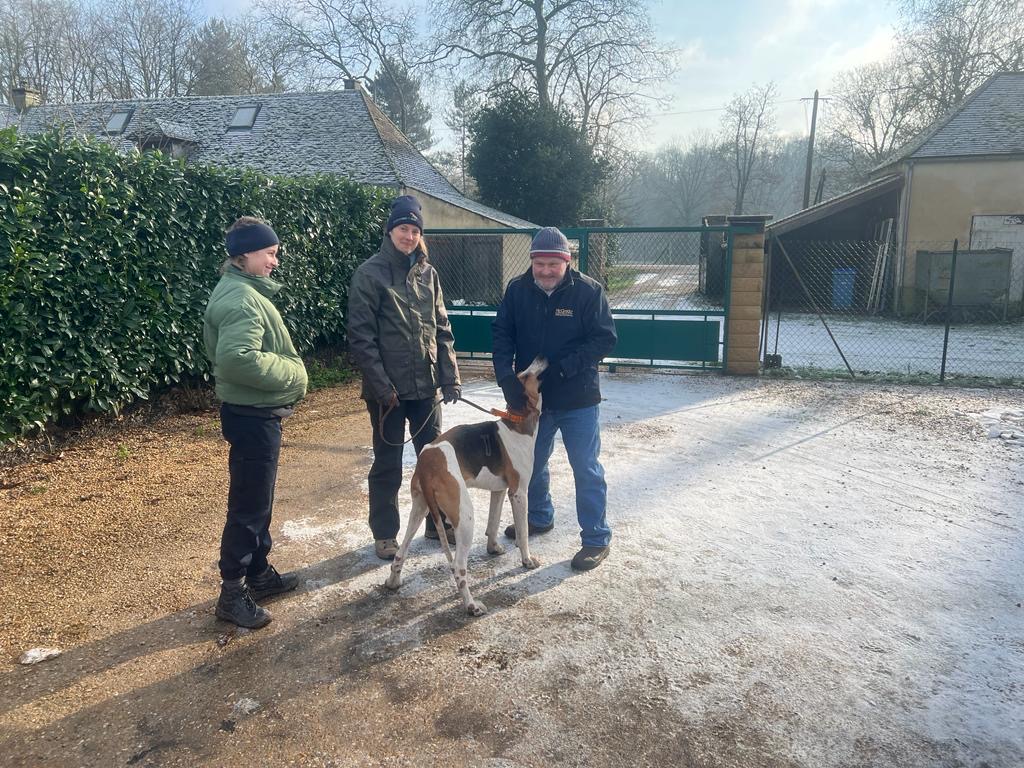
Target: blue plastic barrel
[[842, 287]]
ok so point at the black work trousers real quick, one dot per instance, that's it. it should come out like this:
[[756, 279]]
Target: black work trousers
[[385, 478], [255, 440]]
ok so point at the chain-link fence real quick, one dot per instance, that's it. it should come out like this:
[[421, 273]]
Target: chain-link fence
[[680, 269], [666, 286], [874, 307]]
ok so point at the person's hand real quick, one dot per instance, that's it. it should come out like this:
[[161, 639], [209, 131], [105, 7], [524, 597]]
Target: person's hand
[[515, 393], [451, 393], [390, 400]]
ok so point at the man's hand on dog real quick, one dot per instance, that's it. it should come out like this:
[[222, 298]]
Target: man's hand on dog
[[515, 393]]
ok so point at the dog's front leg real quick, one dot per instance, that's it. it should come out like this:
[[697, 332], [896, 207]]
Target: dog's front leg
[[519, 511], [493, 520]]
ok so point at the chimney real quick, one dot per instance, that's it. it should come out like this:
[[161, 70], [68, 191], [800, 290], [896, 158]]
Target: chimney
[[23, 98], [353, 84]]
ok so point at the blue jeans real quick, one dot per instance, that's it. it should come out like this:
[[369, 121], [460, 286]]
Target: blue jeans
[[581, 433]]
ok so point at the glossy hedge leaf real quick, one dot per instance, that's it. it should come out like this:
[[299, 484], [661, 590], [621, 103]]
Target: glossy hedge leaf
[[107, 261]]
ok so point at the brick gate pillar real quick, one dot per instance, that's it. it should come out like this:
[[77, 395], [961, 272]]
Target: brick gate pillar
[[746, 289]]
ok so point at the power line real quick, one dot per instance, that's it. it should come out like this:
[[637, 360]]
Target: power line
[[718, 109]]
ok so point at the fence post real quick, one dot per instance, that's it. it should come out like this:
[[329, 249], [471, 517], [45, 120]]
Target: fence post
[[949, 311], [743, 295]]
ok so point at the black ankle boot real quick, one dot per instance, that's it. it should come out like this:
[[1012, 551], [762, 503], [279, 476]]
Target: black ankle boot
[[270, 582], [237, 605]]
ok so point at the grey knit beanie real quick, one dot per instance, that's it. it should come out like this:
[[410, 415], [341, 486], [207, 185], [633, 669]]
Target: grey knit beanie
[[550, 242]]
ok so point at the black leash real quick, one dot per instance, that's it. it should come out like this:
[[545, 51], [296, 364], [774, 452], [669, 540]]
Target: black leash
[[384, 414], [515, 418]]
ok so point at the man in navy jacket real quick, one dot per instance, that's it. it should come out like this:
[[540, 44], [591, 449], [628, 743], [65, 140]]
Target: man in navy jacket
[[554, 311]]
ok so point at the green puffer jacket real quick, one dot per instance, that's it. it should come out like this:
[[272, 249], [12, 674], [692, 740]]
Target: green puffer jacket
[[254, 360], [398, 329]]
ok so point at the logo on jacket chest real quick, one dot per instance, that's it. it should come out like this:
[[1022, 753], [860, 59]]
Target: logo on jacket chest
[[563, 312]]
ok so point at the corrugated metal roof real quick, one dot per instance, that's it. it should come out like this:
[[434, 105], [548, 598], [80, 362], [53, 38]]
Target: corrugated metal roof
[[835, 205]]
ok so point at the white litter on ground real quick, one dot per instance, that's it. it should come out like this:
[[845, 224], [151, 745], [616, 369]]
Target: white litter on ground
[[36, 655]]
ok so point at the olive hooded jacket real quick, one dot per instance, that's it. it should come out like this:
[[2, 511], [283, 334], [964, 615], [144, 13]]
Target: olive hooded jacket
[[398, 329]]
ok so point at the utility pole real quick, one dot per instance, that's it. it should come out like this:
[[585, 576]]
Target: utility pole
[[810, 152]]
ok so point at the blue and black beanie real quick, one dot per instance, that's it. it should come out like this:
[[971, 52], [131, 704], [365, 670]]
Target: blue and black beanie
[[249, 238], [405, 210]]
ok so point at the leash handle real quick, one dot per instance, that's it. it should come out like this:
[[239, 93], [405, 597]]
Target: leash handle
[[384, 414]]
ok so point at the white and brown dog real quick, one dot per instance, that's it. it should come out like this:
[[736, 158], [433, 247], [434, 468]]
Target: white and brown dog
[[493, 455]]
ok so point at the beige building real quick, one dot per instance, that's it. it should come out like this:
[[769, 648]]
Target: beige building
[[961, 179]]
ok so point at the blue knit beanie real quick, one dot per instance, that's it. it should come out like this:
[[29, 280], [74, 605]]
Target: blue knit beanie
[[550, 242], [250, 238], [405, 210]]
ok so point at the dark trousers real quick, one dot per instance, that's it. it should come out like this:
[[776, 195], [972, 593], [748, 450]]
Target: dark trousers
[[255, 442], [385, 478]]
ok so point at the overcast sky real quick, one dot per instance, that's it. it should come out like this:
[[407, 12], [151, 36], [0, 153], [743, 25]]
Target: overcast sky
[[728, 45]]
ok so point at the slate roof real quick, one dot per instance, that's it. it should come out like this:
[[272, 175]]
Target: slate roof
[[990, 121], [294, 134]]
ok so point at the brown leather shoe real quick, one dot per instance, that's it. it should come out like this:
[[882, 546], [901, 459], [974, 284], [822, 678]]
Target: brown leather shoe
[[589, 558], [386, 549]]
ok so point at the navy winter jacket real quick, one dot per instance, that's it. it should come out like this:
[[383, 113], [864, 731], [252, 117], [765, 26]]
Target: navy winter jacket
[[572, 328]]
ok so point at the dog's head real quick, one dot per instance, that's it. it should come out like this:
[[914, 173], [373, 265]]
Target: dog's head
[[531, 382]]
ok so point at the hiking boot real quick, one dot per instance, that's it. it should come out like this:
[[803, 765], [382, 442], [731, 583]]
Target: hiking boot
[[386, 549], [270, 582], [532, 530], [431, 533], [589, 558], [236, 605]]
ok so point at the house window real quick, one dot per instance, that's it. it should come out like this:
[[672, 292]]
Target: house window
[[244, 117], [118, 121]]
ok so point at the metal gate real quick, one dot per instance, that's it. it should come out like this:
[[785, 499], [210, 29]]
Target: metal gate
[[668, 286]]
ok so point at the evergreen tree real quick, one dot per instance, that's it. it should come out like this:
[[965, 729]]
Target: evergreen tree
[[397, 93], [459, 118], [531, 161], [218, 61]]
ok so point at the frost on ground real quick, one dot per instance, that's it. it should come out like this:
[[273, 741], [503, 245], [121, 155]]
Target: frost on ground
[[802, 574]]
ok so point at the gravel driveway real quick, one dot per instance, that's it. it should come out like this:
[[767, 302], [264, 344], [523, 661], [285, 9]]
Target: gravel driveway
[[802, 574]]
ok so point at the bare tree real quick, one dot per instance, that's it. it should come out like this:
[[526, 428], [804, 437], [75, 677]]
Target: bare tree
[[596, 58], [748, 121], [951, 46], [348, 38], [275, 63], [148, 47], [689, 177], [873, 111], [30, 43]]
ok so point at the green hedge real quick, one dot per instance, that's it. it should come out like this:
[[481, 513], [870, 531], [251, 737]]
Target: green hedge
[[107, 260]]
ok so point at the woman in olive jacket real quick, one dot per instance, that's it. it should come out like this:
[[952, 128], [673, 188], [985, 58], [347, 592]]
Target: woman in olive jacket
[[259, 378], [400, 337]]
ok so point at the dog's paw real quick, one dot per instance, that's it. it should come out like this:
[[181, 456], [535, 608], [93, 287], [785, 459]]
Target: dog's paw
[[393, 582], [495, 549], [476, 608], [529, 563]]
